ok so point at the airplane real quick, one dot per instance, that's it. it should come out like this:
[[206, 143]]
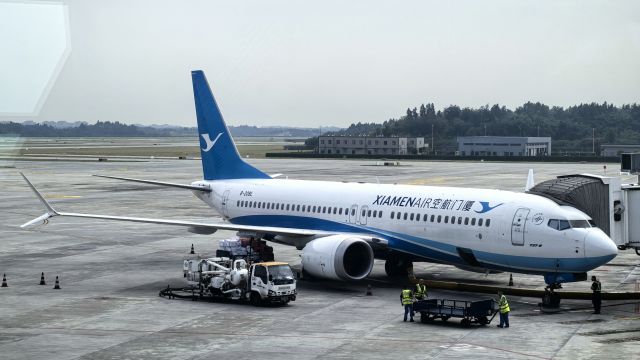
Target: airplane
[[341, 227]]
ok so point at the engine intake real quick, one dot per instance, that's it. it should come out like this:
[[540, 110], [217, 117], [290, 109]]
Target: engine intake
[[338, 257]]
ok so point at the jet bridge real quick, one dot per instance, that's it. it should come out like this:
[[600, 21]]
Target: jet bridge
[[613, 206]]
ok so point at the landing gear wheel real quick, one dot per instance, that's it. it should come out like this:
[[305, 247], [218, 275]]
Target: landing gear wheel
[[396, 266]]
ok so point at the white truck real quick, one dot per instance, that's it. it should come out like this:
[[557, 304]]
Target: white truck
[[223, 277]]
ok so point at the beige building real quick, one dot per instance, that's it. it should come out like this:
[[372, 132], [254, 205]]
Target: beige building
[[364, 145]]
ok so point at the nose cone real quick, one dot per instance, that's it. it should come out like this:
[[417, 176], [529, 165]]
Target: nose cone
[[600, 247]]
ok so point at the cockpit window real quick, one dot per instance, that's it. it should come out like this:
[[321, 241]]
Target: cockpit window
[[592, 223], [567, 224], [559, 224], [579, 224]]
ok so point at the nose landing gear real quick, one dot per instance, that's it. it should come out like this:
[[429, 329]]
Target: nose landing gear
[[551, 299]]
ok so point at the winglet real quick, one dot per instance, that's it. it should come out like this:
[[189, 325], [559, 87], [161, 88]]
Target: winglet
[[50, 210], [530, 182]]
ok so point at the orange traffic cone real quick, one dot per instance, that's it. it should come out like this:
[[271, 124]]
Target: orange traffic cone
[[42, 279], [511, 280], [4, 280], [192, 250], [57, 285]]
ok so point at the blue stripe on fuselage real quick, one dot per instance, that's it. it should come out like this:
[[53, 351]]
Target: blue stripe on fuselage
[[429, 249]]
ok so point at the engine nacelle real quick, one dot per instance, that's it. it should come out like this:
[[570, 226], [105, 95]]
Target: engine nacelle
[[338, 257]]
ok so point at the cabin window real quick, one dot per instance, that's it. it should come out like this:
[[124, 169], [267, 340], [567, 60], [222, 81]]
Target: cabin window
[[466, 221], [369, 213], [460, 220], [433, 217], [353, 212], [314, 209], [417, 217], [453, 220], [426, 217], [393, 213], [259, 205], [487, 223], [446, 219], [473, 221], [288, 207], [380, 213], [238, 203], [324, 209], [340, 211], [411, 217], [335, 211], [439, 218], [405, 216], [375, 213], [479, 222]]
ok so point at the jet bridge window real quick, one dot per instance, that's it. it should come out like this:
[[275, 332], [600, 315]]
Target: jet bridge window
[[559, 224]]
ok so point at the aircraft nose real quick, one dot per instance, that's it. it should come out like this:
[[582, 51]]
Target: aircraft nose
[[599, 245]]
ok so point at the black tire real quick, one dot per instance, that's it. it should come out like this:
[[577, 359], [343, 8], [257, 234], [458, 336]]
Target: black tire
[[445, 318], [255, 299], [482, 320], [465, 322], [424, 318], [396, 267]]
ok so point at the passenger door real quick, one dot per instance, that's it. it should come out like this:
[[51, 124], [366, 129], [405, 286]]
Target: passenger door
[[518, 226], [225, 200]]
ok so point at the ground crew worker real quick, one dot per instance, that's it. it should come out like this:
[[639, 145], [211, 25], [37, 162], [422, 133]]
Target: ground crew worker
[[406, 298], [596, 298], [504, 310], [421, 291]]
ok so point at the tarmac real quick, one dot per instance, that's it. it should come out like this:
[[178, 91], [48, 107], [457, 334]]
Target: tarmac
[[111, 272]]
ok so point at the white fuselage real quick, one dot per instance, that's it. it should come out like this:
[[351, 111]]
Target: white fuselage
[[502, 230]]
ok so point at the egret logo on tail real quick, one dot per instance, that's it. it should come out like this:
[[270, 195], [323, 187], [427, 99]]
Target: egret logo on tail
[[208, 141]]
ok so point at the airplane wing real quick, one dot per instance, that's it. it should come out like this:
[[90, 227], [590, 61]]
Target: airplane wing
[[161, 183], [200, 227]]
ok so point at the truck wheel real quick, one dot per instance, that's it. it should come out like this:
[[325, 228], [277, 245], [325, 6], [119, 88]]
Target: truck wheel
[[482, 320], [465, 322], [255, 299]]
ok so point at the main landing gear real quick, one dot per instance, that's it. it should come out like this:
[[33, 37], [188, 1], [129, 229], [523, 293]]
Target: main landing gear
[[397, 266]]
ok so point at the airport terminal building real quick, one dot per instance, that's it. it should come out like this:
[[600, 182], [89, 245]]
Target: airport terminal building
[[503, 146], [365, 145], [616, 150]]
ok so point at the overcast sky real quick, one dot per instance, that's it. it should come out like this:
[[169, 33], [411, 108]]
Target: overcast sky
[[302, 63]]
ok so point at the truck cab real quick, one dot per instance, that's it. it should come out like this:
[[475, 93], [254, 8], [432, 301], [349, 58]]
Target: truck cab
[[272, 282]]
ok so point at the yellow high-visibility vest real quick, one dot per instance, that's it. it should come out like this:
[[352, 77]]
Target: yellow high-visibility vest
[[504, 305], [421, 291], [407, 297]]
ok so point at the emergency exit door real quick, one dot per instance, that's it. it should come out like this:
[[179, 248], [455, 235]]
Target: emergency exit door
[[518, 226]]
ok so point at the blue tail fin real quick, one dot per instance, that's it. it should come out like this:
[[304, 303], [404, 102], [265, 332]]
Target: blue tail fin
[[220, 158]]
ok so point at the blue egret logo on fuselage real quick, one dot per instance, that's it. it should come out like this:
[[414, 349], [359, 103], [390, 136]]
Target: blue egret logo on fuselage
[[486, 207]]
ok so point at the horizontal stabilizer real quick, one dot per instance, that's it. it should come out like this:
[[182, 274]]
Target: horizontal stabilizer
[[160, 183]]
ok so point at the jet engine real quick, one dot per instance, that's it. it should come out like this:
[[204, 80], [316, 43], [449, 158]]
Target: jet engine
[[338, 257]]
